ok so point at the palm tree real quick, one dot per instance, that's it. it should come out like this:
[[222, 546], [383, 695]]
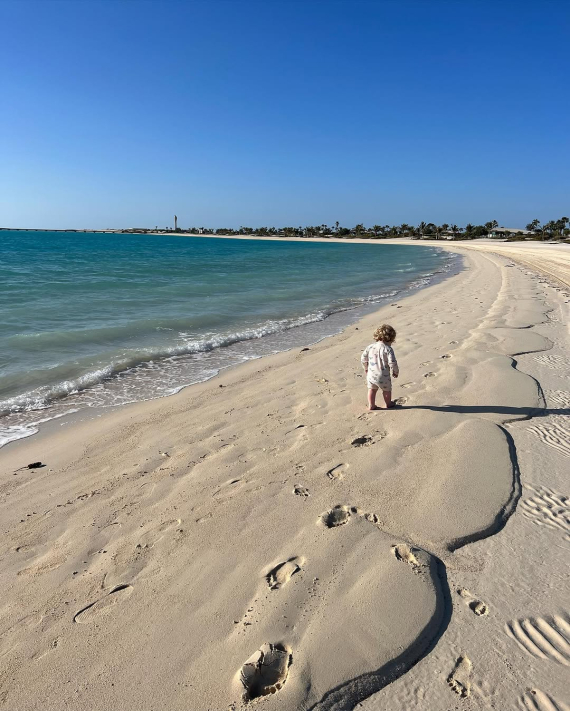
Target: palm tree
[[550, 228], [422, 228], [455, 230], [533, 226], [543, 229], [561, 225]]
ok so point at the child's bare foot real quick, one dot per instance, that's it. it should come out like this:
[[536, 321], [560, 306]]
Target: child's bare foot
[[374, 408]]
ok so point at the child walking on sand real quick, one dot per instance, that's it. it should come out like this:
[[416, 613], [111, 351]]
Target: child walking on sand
[[377, 359]]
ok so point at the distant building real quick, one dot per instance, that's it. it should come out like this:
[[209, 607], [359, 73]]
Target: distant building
[[506, 231], [175, 222]]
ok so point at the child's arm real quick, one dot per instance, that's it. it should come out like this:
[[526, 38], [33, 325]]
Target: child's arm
[[364, 359], [393, 362]]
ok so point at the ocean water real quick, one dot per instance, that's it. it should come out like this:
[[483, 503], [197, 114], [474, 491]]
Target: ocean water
[[92, 320]]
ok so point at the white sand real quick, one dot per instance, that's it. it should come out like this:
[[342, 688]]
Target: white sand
[[172, 549]]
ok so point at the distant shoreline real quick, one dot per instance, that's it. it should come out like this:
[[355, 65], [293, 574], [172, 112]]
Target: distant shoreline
[[283, 238]]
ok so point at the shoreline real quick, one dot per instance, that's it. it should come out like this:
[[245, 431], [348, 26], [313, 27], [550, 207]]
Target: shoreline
[[547, 259], [302, 335], [217, 502]]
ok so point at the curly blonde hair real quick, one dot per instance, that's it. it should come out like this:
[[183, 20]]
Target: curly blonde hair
[[385, 333]]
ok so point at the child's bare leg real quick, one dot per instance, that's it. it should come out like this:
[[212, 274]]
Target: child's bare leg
[[388, 398], [372, 399]]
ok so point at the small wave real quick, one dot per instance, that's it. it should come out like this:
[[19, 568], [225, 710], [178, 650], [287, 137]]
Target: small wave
[[11, 433], [14, 432], [147, 373], [41, 398]]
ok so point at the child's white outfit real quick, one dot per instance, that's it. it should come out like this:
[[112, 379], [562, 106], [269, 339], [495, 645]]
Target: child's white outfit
[[379, 357]]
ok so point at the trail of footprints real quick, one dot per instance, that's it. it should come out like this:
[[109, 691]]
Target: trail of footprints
[[266, 671]]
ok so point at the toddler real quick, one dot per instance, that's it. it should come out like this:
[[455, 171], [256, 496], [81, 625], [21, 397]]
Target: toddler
[[377, 360]]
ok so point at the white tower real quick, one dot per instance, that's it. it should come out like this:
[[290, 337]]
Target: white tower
[[175, 222]]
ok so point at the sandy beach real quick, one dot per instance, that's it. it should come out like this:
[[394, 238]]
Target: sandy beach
[[262, 541]]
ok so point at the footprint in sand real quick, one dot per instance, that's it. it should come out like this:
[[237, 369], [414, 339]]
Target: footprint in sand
[[49, 561], [452, 343], [282, 573], [301, 490], [265, 671], [89, 613], [337, 516], [543, 637], [407, 385], [404, 553], [337, 472], [153, 535], [536, 700], [445, 356], [478, 607], [426, 362], [460, 678], [416, 558], [41, 653], [429, 375], [363, 441], [233, 487], [400, 400]]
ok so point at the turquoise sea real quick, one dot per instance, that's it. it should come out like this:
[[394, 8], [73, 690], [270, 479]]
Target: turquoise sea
[[93, 320]]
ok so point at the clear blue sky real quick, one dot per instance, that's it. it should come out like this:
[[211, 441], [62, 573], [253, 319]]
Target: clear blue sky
[[287, 112]]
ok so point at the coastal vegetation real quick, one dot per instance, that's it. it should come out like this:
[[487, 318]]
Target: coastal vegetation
[[558, 230], [554, 229]]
